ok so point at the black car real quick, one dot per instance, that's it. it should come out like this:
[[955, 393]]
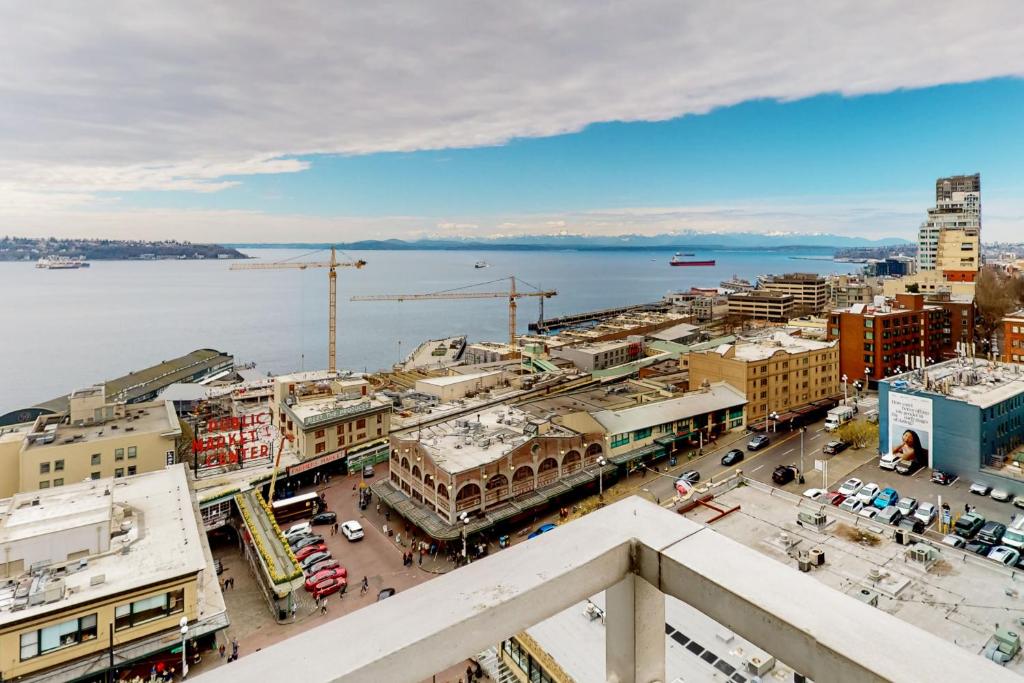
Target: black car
[[834, 447], [757, 442], [328, 517], [911, 524], [992, 533], [732, 457], [303, 541], [979, 547], [784, 474], [942, 478], [692, 476]]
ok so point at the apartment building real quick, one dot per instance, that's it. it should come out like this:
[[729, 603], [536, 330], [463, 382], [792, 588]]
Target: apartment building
[[809, 291], [949, 241], [763, 305], [1013, 337], [778, 372], [845, 291]]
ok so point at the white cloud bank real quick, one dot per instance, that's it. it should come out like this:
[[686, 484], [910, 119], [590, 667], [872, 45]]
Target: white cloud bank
[[127, 96]]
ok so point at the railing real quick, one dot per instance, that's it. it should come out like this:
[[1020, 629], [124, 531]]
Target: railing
[[637, 553]]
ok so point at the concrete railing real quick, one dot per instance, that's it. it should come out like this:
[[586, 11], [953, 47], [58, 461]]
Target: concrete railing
[[637, 552]]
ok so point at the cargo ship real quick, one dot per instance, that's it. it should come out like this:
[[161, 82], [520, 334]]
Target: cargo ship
[[677, 260]]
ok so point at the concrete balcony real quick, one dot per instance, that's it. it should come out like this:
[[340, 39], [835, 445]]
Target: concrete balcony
[[637, 553]]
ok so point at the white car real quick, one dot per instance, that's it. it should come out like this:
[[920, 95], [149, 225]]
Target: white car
[[868, 493], [979, 489], [868, 512], [1001, 495], [352, 530], [850, 487], [851, 505], [888, 461], [925, 512], [906, 506], [954, 541], [815, 494], [1007, 556], [296, 530]]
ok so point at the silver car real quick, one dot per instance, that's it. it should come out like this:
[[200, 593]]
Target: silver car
[[925, 512]]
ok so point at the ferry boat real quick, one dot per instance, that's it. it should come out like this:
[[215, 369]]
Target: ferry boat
[[481, 264], [677, 260], [62, 263]]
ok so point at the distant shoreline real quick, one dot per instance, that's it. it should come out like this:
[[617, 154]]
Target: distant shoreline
[[535, 247]]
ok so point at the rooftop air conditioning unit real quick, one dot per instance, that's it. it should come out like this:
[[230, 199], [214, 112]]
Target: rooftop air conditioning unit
[[759, 665]]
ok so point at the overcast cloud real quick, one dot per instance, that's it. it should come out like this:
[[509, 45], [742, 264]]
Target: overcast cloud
[[125, 96]]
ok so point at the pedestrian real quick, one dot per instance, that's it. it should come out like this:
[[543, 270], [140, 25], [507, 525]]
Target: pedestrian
[[295, 608], [336, 527], [967, 508], [234, 648], [387, 515], [323, 608], [421, 557], [398, 538], [221, 650], [378, 508], [365, 586], [469, 672]]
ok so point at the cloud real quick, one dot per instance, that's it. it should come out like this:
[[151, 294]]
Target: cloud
[[126, 96]]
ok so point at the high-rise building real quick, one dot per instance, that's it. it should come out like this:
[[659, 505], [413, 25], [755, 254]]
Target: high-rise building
[[949, 241]]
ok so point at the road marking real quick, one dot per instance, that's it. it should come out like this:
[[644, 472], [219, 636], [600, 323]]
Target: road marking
[[756, 469], [789, 451]]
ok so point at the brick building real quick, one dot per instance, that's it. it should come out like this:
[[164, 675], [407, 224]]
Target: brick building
[[1013, 337]]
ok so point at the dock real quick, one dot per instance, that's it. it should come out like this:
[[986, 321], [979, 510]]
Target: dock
[[545, 325]]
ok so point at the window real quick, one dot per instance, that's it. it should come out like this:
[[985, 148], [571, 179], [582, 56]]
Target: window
[[58, 482], [65, 634], [620, 440], [95, 459], [321, 447], [95, 475], [641, 434], [44, 484], [44, 468], [132, 452], [361, 423], [119, 472], [58, 465], [131, 470], [319, 434], [148, 609], [118, 454]]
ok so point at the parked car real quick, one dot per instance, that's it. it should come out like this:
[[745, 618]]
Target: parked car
[[1007, 556], [868, 512], [888, 461], [888, 496], [732, 457], [308, 550], [926, 513], [322, 565], [851, 486], [942, 478], [314, 558], [851, 504], [833, 447], [298, 529], [968, 525], [367, 471], [329, 586], [691, 476], [352, 530], [1019, 501], [301, 542], [385, 593], [757, 442], [542, 529], [954, 541], [868, 493], [1001, 495], [835, 498], [979, 488], [327, 517], [323, 575], [907, 467], [978, 547], [783, 474], [991, 532], [911, 524], [816, 494], [889, 515], [906, 506]]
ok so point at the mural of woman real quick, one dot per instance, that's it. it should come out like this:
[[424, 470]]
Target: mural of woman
[[910, 448]]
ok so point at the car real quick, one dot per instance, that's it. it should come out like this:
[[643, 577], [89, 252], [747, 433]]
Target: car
[[942, 478], [851, 486], [783, 474], [906, 506], [911, 524], [834, 498], [889, 514], [851, 504], [298, 529], [308, 550], [329, 586], [978, 547], [732, 457], [757, 442], [323, 575], [542, 529], [888, 496], [367, 471], [314, 558], [834, 447], [907, 467], [327, 517], [888, 461], [690, 476], [304, 541], [991, 532], [868, 512], [1001, 495], [1019, 501], [385, 593], [352, 530], [954, 541], [324, 564], [968, 525], [868, 493], [925, 512], [1004, 554], [979, 488], [815, 494]]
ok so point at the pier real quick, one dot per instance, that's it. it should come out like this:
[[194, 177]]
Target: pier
[[548, 324]]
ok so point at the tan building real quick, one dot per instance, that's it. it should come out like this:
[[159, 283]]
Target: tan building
[[95, 439], [601, 355], [777, 372], [102, 571], [809, 291], [454, 387], [762, 305], [926, 282]]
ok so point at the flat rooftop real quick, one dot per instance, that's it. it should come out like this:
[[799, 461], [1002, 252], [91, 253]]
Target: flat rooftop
[[976, 381], [334, 407], [764, 347], [457, 379], [960, 599], [162, 540], [718, 396], [140, 418]]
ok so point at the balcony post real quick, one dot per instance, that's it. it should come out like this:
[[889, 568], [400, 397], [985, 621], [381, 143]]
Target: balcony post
[[634, 632]]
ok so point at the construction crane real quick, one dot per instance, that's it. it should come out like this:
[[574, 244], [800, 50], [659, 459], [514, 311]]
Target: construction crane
[[277, 464], [332, 302], [512, 295]]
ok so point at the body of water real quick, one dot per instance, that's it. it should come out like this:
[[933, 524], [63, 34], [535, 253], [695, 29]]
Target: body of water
[[64, 329]]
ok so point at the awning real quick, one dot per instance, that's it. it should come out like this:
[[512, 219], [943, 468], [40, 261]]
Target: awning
[[654, 449]]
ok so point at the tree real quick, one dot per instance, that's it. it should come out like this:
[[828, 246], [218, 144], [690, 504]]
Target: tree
[[858, 433], [184, 445], [995, 294]]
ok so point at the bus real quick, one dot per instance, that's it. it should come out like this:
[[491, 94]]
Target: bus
[[302, 506]]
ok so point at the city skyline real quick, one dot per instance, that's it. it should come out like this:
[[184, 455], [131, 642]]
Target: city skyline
[[345, 126]]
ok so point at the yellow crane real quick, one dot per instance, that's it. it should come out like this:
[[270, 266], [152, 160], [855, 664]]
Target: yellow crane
[[332, 303], [512, 295]]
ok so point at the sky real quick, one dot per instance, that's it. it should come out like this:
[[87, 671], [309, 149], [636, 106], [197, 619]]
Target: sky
[[317, 121]]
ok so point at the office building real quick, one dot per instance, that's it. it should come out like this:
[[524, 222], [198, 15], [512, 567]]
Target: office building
[[809, 291], [592, 356], [762, 305]]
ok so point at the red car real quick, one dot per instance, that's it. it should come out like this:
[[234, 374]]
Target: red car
[[328, 586], [835, 498], [325, 564], [309, 550], [323, 575]]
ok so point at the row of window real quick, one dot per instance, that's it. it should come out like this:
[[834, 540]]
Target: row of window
[[519, 656], [118, 473], [95, 460]]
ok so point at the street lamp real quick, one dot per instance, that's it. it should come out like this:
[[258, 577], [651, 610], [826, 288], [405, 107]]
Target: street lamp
[[184, 634], [802, 430], [601, 462], [464, 518], [775, 417], [845, 380]]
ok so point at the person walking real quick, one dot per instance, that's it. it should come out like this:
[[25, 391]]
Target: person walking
[[234, 648], [295, 608], [365, 586], [323, 608]]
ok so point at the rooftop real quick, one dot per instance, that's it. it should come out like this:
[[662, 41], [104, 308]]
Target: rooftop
[[976, 381], [152, 536], [716, 397], [139, 418], [762, 294], [674, 332], [322, 411], [764, 347], [457, 379]]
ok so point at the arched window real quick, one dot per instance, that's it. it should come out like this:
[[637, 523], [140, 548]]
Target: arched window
[[547, 472], [416, 474], [572, 462], [522, 480], [467, 497], [442, 491], [405, 463], [594, 451]]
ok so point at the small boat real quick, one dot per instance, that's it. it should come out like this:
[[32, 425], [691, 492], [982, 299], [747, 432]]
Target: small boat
[[481, 264], [677, 260]]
